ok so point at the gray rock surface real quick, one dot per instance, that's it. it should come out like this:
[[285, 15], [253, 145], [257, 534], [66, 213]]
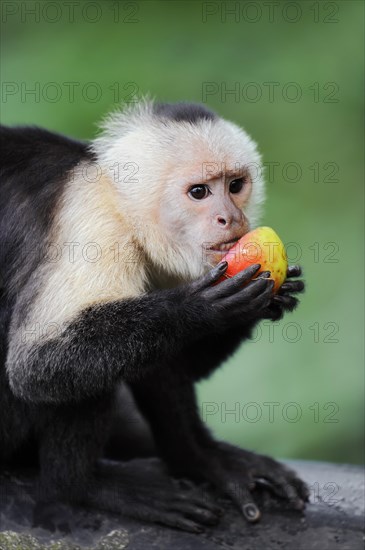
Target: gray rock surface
[[333, 519]]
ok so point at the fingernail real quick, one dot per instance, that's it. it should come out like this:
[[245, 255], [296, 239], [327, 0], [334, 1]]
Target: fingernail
[[251, 512], [252, 269], [264, 275]]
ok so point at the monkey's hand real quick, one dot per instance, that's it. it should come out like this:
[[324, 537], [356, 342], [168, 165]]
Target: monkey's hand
[[284, 300], [232, 303]]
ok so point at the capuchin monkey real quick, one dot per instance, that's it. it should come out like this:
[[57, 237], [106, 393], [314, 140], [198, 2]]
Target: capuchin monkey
[[109, 255]]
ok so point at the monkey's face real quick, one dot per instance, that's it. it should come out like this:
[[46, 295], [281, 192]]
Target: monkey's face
[[204, 214], [209, 196]]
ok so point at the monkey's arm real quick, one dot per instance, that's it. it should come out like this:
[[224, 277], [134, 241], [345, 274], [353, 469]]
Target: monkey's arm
[[129, 338], [208, 353]]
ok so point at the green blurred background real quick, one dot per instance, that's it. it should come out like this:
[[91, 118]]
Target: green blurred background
[[296, 69]]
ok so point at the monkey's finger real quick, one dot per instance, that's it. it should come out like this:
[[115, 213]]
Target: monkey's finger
[[257, 300], [252, 289], [256, 288], [178, 522], [198, 513], [251, 512], [242, 497], [209, 505], [211, 277], [245, 299], [291, 286], [239, 306], [273, 312], [263, 275], [302, 488], [193, 498], [284, 488], [285, 301], [294, 271], [282, 481], [232, 284], [263, 300]]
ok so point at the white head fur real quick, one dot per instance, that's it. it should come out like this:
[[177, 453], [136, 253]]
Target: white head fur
[[152, 159]]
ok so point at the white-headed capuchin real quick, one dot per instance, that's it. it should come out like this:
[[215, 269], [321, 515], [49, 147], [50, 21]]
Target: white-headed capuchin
[[109, 254]]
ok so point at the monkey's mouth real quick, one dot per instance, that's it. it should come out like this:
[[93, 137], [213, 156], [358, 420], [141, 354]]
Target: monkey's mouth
[[225, 246]]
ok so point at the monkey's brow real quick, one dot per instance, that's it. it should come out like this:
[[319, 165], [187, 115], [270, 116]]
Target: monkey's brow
[[226, 174]]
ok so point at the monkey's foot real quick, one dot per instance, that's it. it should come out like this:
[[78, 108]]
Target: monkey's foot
[[139, 489], [142, 490], [238, 472]]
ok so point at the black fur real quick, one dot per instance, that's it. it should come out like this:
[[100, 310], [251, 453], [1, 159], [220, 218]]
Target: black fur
[[183, 112], [61, 394], [33, 170]]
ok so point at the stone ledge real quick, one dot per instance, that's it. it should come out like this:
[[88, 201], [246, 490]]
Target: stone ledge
[[333, 519]]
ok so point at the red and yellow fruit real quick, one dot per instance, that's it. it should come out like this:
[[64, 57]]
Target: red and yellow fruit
[[260, 246]]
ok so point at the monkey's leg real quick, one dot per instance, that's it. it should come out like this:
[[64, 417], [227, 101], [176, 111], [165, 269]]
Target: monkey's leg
[[189, 450], [15, 425], [71, 442], [130, 436]]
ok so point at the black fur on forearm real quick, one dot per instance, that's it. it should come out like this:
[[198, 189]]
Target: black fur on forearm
[[208, 353], [106, 343]]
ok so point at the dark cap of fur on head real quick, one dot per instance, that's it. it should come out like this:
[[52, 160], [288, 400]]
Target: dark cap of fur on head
[[183, 112]]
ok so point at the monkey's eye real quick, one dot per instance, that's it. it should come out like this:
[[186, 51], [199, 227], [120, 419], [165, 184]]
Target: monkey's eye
[[199, 192], [236, 185]]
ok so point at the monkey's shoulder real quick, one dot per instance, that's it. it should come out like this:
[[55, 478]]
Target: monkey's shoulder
[[40, 154], [35, 165]]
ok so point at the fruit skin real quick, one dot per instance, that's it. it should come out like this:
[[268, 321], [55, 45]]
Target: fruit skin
[[260, 246]]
